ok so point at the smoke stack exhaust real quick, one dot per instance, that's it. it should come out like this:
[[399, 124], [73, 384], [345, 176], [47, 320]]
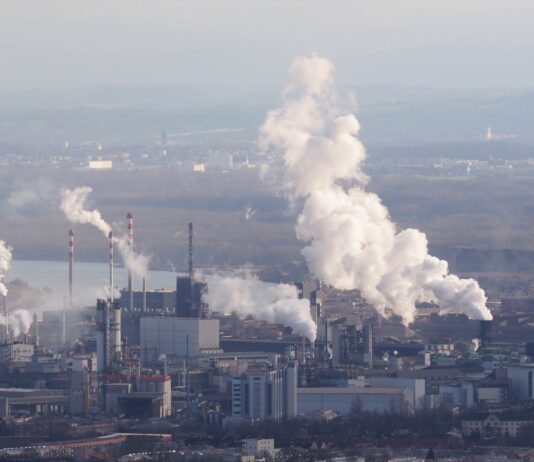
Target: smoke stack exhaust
[[71, 265], [110, 236], [129, 217]]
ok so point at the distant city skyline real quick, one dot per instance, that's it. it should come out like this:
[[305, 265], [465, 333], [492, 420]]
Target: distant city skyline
[[58, 43]]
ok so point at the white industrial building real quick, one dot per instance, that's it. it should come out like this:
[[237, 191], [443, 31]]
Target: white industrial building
[[258, 447], [16, 352], [416, 387], [344, 400], [521, 376], [265, 394], [175, 336]]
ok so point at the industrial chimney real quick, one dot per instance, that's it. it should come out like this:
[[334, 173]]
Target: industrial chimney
[[71, 265], [35, 330], [110, 236], [190, 266], [6, 316], [129, 217]]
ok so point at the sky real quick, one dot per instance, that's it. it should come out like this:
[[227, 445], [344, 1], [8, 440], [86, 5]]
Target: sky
[[441, 44]]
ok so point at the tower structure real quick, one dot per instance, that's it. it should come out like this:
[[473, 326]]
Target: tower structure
[[111, 284], [71, 266], [129, 217]]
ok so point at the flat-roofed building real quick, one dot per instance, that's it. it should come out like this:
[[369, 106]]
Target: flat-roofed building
[[344, 400]]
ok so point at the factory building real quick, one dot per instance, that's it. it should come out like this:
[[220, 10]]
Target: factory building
[[265, 394], [156, 300], [108, 334], [343, 400], [174, 336], [15, 353], [522, 377], [416, 386], [189, 294], [151, 396], [33, 400]]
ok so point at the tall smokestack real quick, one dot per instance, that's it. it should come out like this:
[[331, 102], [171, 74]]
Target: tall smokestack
[[191, 251], [117, 347], [6, 316], [71, 265], [35, 330], [110, 236], [144, 295], [129, 217]]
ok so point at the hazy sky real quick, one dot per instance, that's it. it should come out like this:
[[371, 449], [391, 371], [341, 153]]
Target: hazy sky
[[442, 43]]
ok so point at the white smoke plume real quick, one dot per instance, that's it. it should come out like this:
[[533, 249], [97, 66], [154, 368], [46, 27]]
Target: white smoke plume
[[20, 322], [73, 205], [352, 242], [5, 262], [269, 302]]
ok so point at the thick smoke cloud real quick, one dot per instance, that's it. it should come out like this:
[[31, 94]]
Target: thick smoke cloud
[[73, 205], [5, 262], [351, 241], [248, 295]]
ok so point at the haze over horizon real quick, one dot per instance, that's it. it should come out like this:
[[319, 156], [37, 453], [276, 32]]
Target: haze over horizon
[[56, 44]]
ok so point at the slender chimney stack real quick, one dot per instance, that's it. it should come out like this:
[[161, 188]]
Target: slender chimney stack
[[144, 295], [6, 315], [71, 265], [110, 235], [129, 217], [35, 330], [191, 251]]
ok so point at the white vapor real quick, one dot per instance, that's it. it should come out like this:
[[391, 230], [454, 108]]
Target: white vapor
[[19, 322], [269, 302], [5, 262], [73, 204], [351, 241]]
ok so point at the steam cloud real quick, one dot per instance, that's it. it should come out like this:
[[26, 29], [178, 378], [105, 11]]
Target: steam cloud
[[73, 205], [20, 322], [269, 302], [5, 262], [351, 241]]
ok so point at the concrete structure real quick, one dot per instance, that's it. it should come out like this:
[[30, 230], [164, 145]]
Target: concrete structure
[[157, 299], [112, 392], [35, 400], [108, 334], [493, 425], [12, 353], [175, 336], [416, 387], [343, 400], [522, 377], [189, 302], [265, 394], [151, 395], [258, 447]]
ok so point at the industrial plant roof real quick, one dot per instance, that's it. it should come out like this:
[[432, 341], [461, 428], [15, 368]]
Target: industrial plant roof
[[350, 390]]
